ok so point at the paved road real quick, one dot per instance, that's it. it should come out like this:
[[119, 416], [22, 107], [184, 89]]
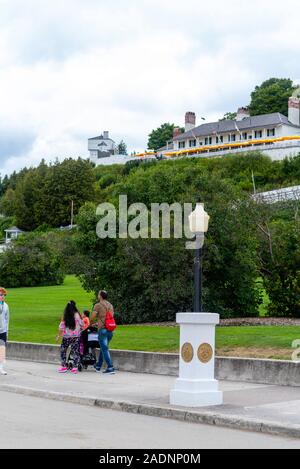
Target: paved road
[[265, 403], [30, 422]]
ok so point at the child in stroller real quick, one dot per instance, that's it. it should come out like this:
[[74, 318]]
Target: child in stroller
[[88, 344]]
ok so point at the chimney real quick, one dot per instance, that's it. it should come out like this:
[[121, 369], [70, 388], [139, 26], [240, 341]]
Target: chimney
[[294, 107], [176, 132], [190, 121], [242, 113], [105, 135]]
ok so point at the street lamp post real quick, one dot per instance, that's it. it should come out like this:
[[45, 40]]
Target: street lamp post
[[196, 385], [198, 221], [198, 280]]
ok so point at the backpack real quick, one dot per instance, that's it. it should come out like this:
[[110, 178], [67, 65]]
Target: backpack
[[110, 323]]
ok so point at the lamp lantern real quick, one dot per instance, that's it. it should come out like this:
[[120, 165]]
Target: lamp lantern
[[196, 385], [199, 220]]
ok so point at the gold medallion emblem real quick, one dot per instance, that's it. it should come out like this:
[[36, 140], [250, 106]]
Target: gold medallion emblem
[[187, 353], [205, 353]]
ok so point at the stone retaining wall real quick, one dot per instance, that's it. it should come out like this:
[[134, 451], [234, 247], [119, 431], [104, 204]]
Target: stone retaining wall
[[277, 372]]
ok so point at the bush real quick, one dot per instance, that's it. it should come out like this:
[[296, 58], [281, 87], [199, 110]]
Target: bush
[[62, 242], [30, 261], [151, 280], [5, 223], [148, 280], [280, 254]]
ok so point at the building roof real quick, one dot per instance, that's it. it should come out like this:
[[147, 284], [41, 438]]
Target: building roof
[[14, 229], [100, 137], [254, 122]]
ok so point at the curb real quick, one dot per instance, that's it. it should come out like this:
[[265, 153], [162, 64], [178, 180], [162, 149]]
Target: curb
[[205, 417], [249, 370]]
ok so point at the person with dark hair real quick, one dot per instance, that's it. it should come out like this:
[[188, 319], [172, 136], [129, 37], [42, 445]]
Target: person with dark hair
[[104, 336], [70, 329]]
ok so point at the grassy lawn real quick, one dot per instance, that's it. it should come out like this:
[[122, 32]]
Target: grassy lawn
[[265, 341], [35, 314]]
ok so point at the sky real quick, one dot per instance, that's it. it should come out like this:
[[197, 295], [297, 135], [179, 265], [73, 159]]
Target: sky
[[71, 69]]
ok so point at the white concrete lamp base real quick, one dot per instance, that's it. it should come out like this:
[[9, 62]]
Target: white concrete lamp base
[[196, 385]]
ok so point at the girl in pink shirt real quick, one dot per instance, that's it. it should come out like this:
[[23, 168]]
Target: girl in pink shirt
[[70, 329]]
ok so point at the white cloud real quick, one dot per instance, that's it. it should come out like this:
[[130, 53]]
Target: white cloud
[[72, 69]]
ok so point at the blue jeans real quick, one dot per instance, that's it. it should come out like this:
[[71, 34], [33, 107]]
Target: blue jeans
[[104, 338]]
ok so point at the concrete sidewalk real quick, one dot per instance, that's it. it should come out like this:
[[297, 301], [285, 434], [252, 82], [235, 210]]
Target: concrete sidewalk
[[248, 406]]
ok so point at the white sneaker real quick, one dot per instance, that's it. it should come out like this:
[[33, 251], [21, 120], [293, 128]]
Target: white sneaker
[[3, 372]]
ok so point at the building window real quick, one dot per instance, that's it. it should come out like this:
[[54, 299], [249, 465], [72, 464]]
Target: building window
[[258, 134], [192, 143], [232, 138], [244, 136], [208, 140], [181, 145], [271, 132]]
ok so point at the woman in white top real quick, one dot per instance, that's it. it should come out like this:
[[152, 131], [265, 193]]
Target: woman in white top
[[4, 323]]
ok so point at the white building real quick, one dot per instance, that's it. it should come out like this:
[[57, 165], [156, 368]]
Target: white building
[[104, 151], [273, 134], [10, 235], [101, 147]]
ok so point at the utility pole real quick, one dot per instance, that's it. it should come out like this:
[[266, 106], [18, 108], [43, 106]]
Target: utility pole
[[72, 213], [253, 181]]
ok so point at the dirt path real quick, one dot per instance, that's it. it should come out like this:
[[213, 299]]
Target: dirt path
[[255, 352], [239, 322]]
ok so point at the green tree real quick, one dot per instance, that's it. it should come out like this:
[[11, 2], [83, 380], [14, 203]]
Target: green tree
[[30, 261], [43, 195], [152, 279], [271, 96], [122, 148], [71, 180], [5, 223], [229, 116], [280, 260], [63, 243], [3, 185], [8, 203], [159, 137], [28, 195]]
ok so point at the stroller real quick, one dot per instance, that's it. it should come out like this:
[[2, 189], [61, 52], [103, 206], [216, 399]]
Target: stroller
[[88, 346]]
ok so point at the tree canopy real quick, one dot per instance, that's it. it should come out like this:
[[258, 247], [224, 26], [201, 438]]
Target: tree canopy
[[43, 195], [151, 279], [271, 96], [228, 116], [159, 137], [122, 148], [31, 261]]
